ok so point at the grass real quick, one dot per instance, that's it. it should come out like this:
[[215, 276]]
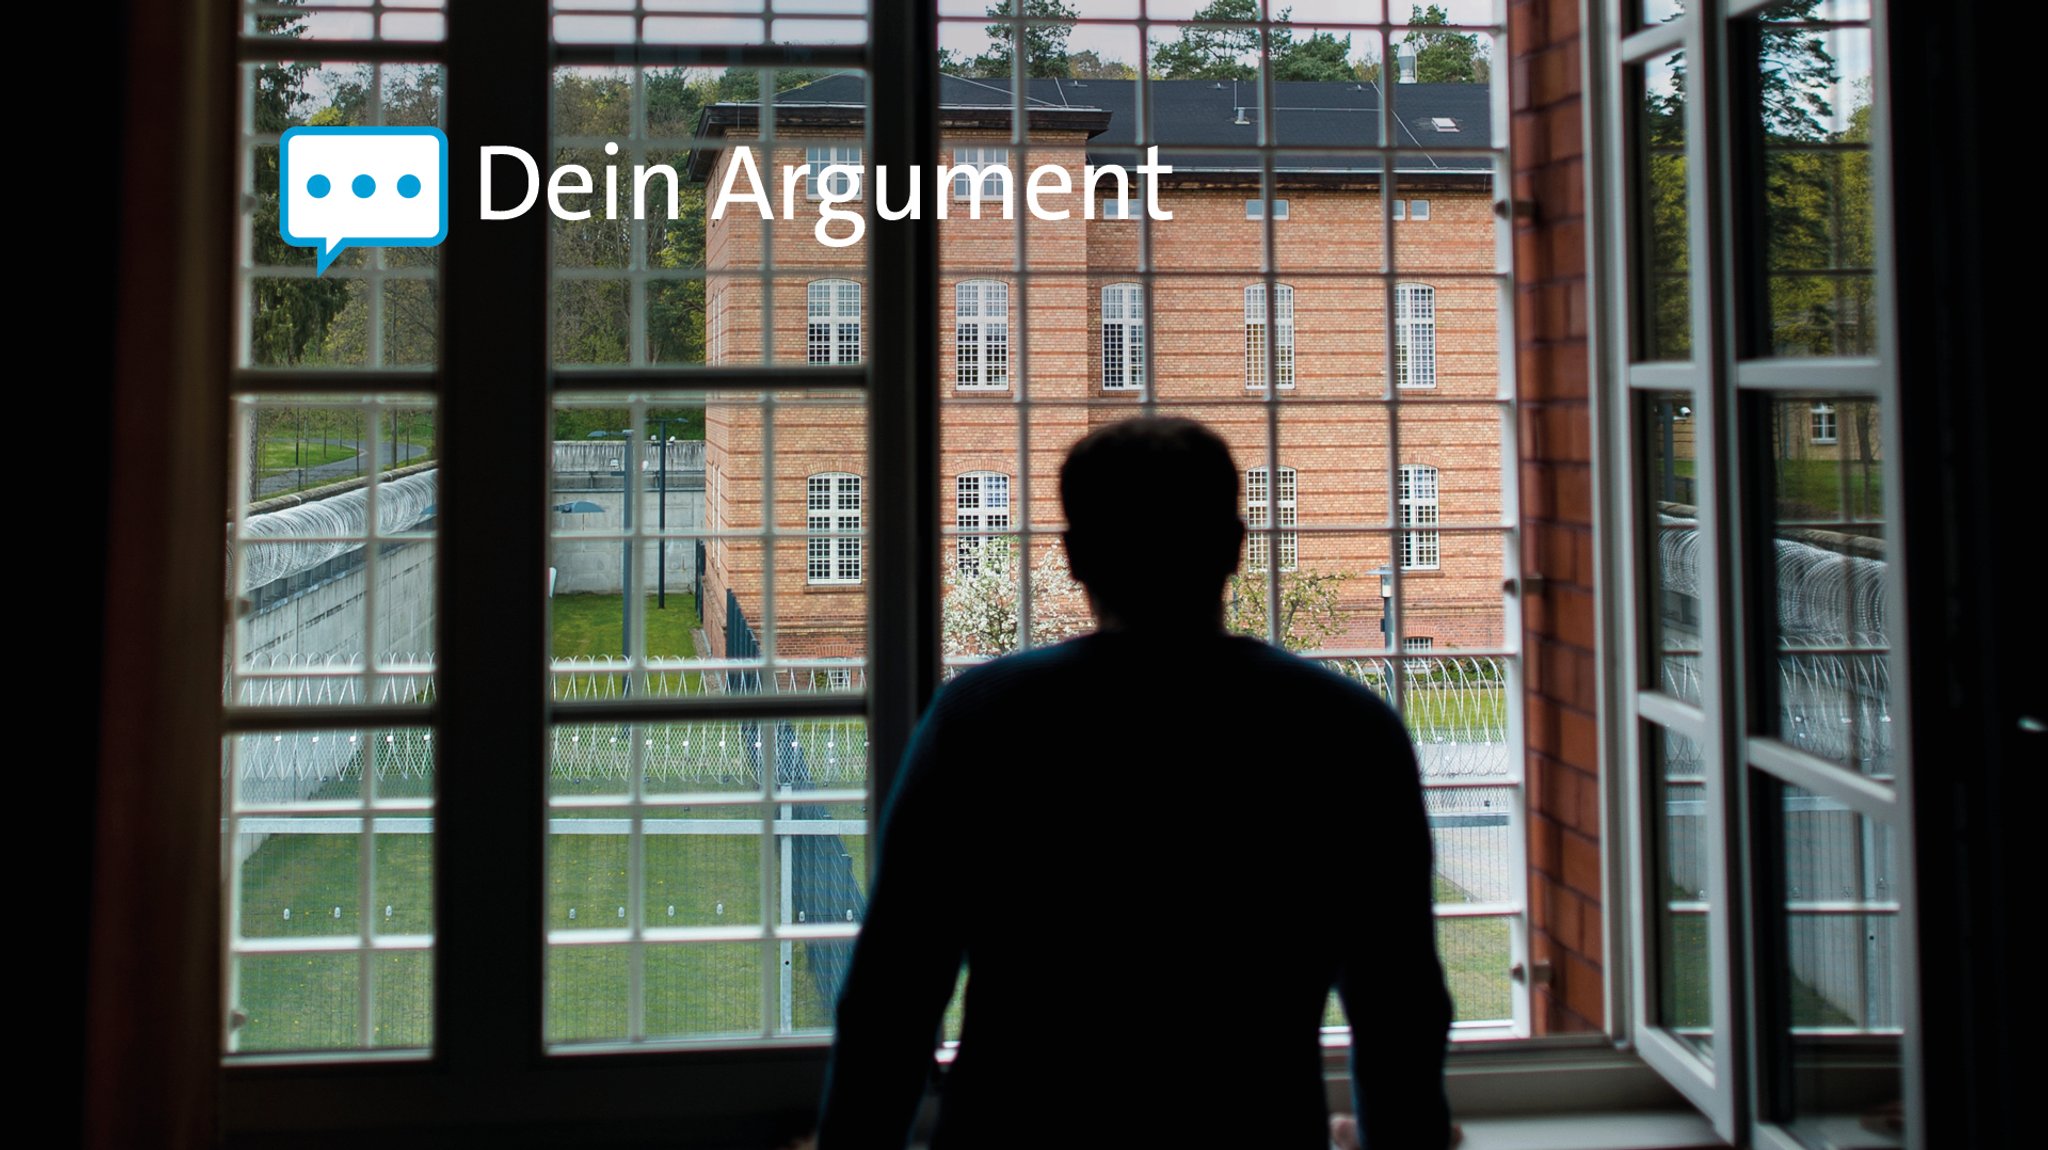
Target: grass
[[1475, 956], [282, 454], [588, 626]]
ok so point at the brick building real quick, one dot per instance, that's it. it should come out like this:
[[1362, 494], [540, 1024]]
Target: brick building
[[1076, 335]]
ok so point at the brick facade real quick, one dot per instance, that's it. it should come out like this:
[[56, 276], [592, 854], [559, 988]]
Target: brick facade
[[1329, 247]]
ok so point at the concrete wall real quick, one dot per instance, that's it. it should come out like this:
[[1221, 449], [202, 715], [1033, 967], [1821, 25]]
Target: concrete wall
[[586, 566]]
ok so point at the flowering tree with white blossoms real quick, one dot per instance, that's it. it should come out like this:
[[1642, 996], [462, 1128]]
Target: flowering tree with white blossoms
[[978, 616]]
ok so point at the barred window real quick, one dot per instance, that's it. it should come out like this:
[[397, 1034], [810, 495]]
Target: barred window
[[1255, 335], [832, 514], [981, 503], [981, 159], [834, 329], [1824, 423], [1123, 337], [1258, 500], [1418, 518], [819, 158], [1415, 335], [981, 334]]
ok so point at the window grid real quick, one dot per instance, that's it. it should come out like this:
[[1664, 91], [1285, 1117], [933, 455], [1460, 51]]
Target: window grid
[[833, 334], [1256, 352], [1259, 518], [818, 157], [980, 157], [832, 513], [981, 510], [1415, 335], [1123, 337], [1823, 429], [981, 335], [1419, 550]]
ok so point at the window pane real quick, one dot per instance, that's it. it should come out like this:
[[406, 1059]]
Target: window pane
[[1814, 82], [1671, 556], [329, 844], [1836, 984], [1663, 215], [333, 553], [373, 307], [1681, 899], [1829, 553]]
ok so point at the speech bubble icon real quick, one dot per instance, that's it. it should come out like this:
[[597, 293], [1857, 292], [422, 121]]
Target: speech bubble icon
[[362, 187]]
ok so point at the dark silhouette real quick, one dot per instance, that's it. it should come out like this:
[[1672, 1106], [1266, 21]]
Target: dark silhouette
[[1156, 848]]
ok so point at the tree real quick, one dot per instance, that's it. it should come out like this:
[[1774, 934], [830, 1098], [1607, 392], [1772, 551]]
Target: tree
[[1443, 57], [978, 616], [1087, 64], [1215, 53], [1045, 45], [1320, 57], [1310, 612]]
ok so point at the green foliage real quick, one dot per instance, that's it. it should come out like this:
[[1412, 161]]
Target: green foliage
[[1045, 45], [1213, 53], [1323, 56], [1444, 57], [1310, 615], [1088, 64]]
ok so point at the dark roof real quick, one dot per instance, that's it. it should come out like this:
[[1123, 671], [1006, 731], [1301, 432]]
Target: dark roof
[[1190, 118]]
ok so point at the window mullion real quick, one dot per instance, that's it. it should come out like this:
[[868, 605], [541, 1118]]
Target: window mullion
[[492, 686]]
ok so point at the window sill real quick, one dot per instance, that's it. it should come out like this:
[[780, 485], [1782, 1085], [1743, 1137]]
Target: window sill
[[1643, 1130]]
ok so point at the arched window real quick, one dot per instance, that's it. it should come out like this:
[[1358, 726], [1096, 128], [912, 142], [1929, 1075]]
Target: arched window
[[1418, 518], [832, 514], [981, 509], [1258, 515], [1414, 335], [834, 332], [1123, 337], [981, 334], [1255, 335]]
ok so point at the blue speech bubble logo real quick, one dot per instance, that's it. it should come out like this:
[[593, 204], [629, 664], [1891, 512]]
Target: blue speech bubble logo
[[393, 185]]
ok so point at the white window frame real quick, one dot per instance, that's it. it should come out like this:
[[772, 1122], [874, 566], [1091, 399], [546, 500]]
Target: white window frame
[[1255, 335], [1418, 209], [833, 509], [1823, 424], [1414, 335], [1118, 208], [1717, 380], [1122, 339], [981, 326], [1258, 539], [981, 509], [982, 157], [818, 157], [1256, 209], [1421, 511], [1400, 209], [832, 321]]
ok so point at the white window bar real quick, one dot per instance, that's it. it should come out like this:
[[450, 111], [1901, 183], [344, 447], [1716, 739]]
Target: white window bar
[[981, 335], [818, 157], [981, 510], [1123, 337], [1414, 335], [832, 515], [1256, 352], [834, 322], [1419, 518], [980, 158], [1258, 492]]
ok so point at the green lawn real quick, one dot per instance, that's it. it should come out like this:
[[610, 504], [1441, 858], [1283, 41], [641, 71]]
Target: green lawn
[[280, 453], [1475, 956], [589, 625]]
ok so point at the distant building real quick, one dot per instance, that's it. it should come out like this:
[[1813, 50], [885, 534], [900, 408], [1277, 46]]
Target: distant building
[[1207, 335]]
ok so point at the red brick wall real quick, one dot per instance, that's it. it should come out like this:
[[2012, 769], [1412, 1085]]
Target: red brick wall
[[1557, 513], [1328, 248]]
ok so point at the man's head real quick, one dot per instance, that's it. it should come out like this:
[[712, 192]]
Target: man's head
[[1152, 524]]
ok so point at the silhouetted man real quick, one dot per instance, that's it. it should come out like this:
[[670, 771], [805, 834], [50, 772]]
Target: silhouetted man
[[1156, 848]]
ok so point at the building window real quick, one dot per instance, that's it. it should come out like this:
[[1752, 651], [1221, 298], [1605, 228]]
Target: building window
[[1118, 208], [981, 334], [832, 516], [1823, 423], [834, 330], [1415, 335], [1258, 502], [1123, 337], [1400, 209], [993, 184], [1418, 518], [1255, 323], [1413, 644], [1418, 209], [1256, 209], [817, 159], [981, 508]]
